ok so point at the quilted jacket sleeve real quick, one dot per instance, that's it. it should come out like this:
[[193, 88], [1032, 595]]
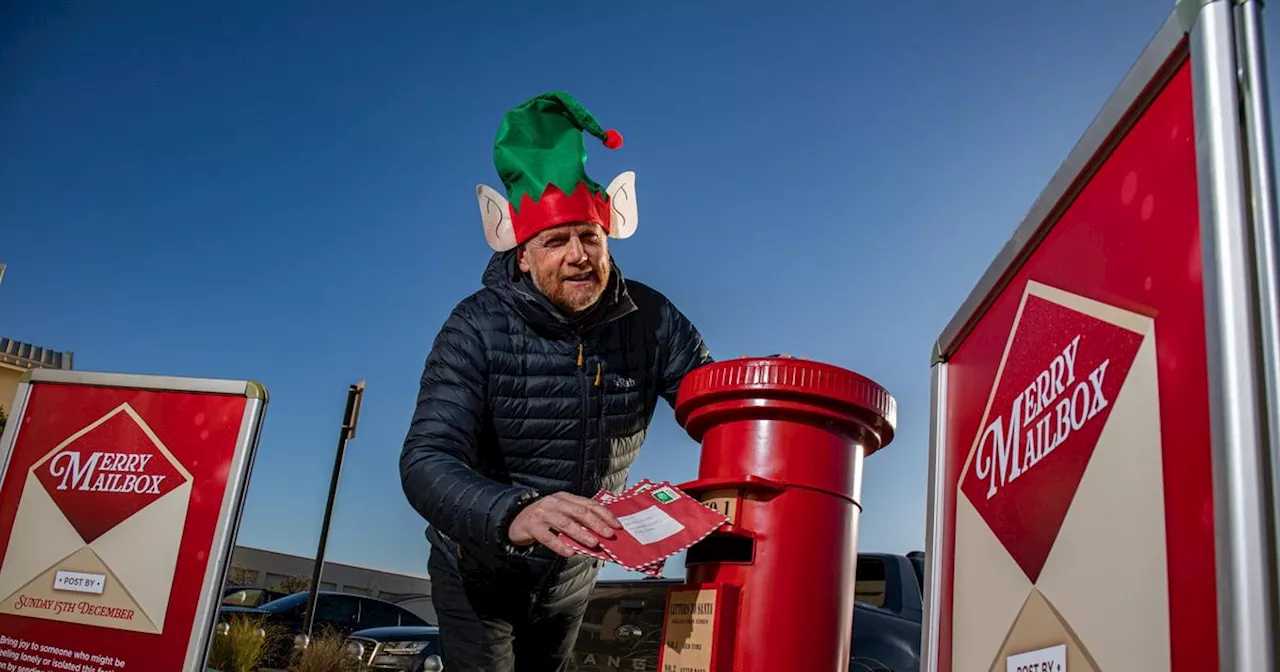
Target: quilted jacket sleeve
[[685, 350], [437, 464]]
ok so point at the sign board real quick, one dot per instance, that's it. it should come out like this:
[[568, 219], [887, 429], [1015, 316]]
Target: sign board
[[120, 496], [1098, 382], [697, 629]]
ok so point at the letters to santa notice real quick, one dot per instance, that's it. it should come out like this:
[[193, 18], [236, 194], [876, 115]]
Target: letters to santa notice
[[689, 631]]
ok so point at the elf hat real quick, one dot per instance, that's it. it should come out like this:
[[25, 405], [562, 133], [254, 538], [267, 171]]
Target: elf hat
[[540, 158]]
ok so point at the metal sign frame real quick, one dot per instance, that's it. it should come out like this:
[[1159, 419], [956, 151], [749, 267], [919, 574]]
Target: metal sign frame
[[1224, 41], [224, 536]]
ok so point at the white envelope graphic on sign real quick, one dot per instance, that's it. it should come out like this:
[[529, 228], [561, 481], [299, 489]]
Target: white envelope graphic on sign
[[95, 539]]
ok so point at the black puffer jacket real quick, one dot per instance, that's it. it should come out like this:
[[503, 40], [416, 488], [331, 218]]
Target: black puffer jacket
[[518, 401]]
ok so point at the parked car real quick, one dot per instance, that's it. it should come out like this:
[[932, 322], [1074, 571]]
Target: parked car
[[887, 614], [622, 629], [249, 596], [402, 649], [339, 613]]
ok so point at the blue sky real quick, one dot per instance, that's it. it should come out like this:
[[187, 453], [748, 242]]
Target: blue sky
[[284, 191]]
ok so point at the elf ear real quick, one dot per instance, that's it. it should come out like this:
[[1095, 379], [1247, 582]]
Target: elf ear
[[495, 214], [623, 218]]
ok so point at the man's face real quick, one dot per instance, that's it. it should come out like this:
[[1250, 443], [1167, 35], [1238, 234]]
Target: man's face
[[569, 264]]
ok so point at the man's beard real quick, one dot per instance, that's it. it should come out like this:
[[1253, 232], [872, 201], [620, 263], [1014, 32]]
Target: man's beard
[[574, 300]]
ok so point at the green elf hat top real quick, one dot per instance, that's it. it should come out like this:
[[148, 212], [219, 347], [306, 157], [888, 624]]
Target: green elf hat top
[[541, 159]]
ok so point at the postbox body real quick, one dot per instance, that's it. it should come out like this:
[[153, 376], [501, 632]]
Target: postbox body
[[783, 444]]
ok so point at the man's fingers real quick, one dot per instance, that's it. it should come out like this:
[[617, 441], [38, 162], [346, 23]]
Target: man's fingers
[[574, 529], [597, 521], [606, 516], [596, 508], [587, 517], [548, 538], [574, 516], [591, 514]]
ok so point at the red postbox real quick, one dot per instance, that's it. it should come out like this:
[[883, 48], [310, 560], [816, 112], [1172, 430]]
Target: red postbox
[[783, 442]]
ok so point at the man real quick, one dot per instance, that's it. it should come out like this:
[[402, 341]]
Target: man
[[536, 394]]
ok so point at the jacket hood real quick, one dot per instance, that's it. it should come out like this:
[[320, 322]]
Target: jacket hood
[[503, 276]]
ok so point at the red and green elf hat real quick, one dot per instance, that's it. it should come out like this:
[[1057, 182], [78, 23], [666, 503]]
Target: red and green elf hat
[[540, 157]]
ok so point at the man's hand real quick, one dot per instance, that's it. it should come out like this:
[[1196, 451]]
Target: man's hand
[[577, 517]]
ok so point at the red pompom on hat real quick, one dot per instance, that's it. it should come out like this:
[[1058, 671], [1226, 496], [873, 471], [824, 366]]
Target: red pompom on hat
[[612, 139]]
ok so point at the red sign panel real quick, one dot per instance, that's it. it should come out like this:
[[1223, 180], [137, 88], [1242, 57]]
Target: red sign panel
[[109, 507], [1079, 515]]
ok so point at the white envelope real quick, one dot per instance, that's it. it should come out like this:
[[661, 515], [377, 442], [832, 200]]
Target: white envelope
[[121, 580]]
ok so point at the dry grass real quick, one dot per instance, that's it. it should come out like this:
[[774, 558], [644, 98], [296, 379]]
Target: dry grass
[[241, 649], [325, 653]]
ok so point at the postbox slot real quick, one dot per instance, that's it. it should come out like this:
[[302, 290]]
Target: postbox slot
[[722, 548]]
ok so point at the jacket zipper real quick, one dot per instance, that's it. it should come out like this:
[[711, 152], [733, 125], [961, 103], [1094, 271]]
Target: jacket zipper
[[600, 440], [582, 441], [585, 387]]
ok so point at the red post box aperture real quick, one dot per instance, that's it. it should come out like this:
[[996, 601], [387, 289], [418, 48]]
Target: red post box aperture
[[783, 442]]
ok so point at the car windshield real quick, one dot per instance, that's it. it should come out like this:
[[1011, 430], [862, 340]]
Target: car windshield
[[295, 601]]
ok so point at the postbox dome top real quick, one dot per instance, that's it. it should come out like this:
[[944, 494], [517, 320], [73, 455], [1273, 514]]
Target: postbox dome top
[[757, 382]]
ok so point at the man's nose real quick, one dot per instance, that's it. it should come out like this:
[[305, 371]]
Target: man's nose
[[576, 252]]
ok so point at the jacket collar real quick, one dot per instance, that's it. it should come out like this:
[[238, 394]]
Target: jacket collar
[[516, 289]]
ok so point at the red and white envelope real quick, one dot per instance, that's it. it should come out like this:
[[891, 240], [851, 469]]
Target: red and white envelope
[[604, 497], [654, 568], [659, 521]]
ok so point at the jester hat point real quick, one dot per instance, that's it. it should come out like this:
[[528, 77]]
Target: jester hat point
[[540, 158]]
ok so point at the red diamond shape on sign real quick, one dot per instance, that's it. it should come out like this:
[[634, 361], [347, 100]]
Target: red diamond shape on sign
[[1061, 376], [106, 475]]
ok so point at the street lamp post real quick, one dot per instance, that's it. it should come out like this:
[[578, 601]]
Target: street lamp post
[[351, 416]]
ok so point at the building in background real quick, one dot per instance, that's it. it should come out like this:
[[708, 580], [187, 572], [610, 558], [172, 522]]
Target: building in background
[[17, 358], [260, 568]]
